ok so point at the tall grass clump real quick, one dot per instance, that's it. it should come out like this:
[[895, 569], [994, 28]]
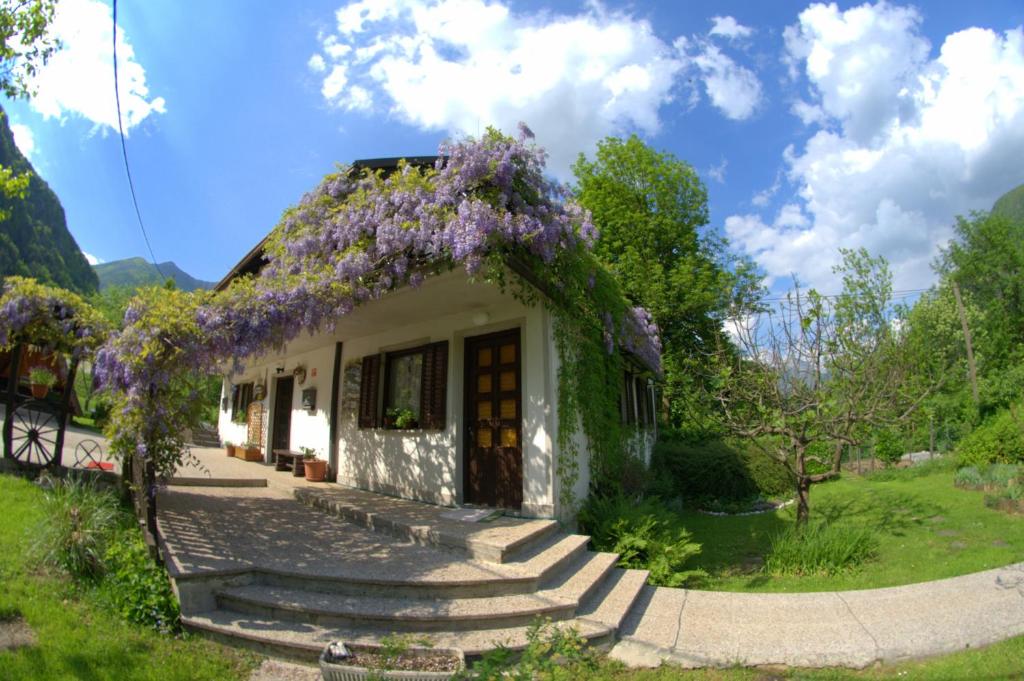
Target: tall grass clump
[[79, 518], [645, 534], [821, 549]]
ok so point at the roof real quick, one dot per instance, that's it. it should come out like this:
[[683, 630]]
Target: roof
[[254, 261]]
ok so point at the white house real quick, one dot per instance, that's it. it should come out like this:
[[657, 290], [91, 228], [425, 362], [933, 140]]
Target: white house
[[445, 393]]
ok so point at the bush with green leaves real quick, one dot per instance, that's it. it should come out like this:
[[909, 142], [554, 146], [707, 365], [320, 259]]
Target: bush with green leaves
[[552, 653], [136, 585], [645, 534], [820, 549], [1000, 439], [994, 476], [888, 447], [716, 470], [968, 476], [940, 464], [79, 519]]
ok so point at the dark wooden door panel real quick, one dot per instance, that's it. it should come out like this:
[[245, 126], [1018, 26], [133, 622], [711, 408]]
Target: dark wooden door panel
[[494, 453], [283, 413]]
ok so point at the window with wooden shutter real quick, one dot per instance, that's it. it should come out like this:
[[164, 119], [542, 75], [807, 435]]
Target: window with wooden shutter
[[641, 401], [369, 389], [630, 398], [434, 399]]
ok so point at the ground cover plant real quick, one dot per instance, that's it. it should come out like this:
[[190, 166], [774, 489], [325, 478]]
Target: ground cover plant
[[78, 634]]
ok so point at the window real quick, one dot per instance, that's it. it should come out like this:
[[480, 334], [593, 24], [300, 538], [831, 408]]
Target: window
[[637, 401], [404, 388], [415, 385], [241, 398]]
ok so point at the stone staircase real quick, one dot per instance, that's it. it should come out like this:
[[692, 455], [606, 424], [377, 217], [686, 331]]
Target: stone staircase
[[205, 436], [498, 583]]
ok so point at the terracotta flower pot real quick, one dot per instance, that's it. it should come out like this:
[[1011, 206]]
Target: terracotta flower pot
[[316, 469], [253, 454], [229, 450], [40, 391]]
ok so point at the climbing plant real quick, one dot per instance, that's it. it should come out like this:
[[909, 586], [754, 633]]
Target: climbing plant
[[48, 316], [486, 206]]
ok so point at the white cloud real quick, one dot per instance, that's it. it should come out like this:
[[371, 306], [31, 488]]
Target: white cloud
[[317, 64], [902, 142], [728, 27], [461, 65], [78, 80], [717, 172], [24, 138], [734, 89], [91, 259]]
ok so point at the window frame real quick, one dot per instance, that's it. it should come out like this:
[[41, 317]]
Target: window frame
[[239, 403], [389, 357]]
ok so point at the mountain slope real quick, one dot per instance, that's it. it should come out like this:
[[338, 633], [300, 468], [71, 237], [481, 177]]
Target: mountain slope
[[1011, 205], [34, 239], [135, 272]]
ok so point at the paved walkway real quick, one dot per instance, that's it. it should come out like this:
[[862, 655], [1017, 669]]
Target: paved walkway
[[842, 628]]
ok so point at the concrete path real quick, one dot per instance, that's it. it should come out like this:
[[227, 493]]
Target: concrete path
[[843, 628]]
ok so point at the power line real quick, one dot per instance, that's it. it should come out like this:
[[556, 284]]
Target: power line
[[124, 153]]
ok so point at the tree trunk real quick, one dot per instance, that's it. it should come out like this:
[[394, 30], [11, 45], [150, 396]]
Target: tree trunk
[[803, 500]]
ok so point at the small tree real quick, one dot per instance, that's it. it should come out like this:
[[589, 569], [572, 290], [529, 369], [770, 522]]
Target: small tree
[[814, 371]]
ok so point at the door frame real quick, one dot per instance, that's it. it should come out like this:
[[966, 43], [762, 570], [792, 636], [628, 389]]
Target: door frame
[[273, 414], [468, 412]]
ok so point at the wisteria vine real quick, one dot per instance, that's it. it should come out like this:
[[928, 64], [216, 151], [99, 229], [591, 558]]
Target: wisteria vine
[[358, 236]]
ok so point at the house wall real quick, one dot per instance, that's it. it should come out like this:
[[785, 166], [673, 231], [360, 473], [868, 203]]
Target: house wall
[[420, 464]]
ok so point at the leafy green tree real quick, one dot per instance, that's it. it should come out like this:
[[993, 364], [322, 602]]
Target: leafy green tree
[[650, 208], [813, 373], [25, 45]]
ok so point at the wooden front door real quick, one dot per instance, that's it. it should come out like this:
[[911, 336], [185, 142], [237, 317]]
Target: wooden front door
[[283, 413], [493, 470]]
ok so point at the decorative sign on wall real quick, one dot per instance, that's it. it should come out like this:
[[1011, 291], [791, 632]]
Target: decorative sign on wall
[[350, 389], [309, 399], [255, 421]]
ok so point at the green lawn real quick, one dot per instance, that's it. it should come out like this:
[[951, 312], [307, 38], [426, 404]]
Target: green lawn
[[927, 529], [77, 638], [1001, 661]]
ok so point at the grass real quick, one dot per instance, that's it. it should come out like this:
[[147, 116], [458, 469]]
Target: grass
[[86, 423], [77, 636], [1000, 661], [926, 529]]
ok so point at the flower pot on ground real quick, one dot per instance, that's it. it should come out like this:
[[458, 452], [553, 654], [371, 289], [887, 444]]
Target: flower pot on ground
[[390, 661], [41, 380], [315, 469], [229, 448], [251, 452]]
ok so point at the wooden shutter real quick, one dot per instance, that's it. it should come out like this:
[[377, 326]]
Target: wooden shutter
[[630, 399], [641, 401], [369, 389], [434, 387]]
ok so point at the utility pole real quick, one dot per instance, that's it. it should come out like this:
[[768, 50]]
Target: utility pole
[[967, 340]]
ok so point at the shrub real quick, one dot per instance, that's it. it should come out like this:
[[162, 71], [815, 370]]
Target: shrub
[[888, 447], [1000, 439], [645, 534], [552, 653], [78, 520], [136, 585], [919, 470], [821, 549], [968, 476], [716, 470]]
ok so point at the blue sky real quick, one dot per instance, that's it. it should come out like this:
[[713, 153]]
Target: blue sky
[[813, 126]]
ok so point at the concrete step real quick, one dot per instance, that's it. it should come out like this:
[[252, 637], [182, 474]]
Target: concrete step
[[609, 605], [548, 557], [399, 614], [305, 641], [580, 579], [495, 541]]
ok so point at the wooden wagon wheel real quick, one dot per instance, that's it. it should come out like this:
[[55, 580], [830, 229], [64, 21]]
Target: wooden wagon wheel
[[34, 430]]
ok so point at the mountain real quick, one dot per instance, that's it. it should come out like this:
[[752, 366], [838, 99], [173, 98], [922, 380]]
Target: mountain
[[1011, 205], [34, 239], [135, 272]]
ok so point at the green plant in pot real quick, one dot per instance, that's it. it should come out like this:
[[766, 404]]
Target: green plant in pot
[[400, 418], [315, 467], [252, 451], [229, 447], [41, 380]]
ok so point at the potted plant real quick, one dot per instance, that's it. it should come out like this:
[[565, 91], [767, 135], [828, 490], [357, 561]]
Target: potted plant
[[397, 657], [399, 418], [251, 451], [41, 380], [229, 447], [315, 469]]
